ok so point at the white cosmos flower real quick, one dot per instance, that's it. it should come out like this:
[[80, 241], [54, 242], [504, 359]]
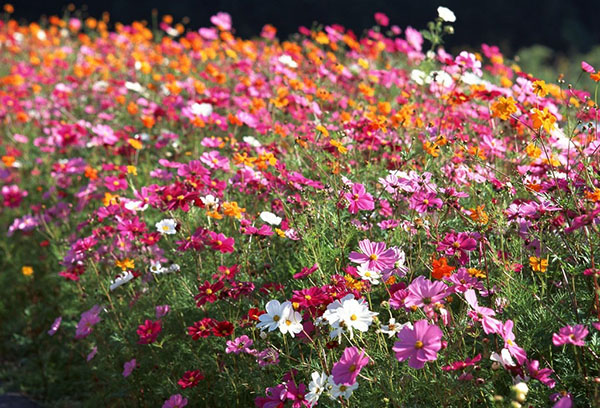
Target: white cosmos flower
[[418, 76], [136, 205], [251, 140], [348, 314], [291, 321], [202, 109], [272, 318], [368, 274], [392, 327], [166, 226], [446, 14], [121, 280], [157, 268], [341, 390], [316, 387], [270, 218], [289, 61], [174, 268], [503, 358], [210, 202]]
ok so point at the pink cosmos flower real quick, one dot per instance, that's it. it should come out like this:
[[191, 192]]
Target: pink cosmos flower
[[419, 344], [422, 292], [162, 310], [113, 183], [215, 161], [306, 271], [509, 343], [55, 326], [128, 367], [222, 20], [422, 201], [482, 314], [562, 399], [87, 321], [348, 367], [92, 354], [374, 255], [239, 345], [587, 67], [175, 401], [12, 196], [570, 334], [542, 375], [359, 199]]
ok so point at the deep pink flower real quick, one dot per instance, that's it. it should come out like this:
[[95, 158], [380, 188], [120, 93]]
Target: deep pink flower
[[223, 329], [306, 271], [190, 379], [113, 183], [359, 199], [382, 19], [423, 292], [175, 401], [162, 310], [419, 344], [220, 242], [275, 397], [348, 367], [587, 67], [374, 255], [12, 196], [457, 244], [570, 334], [422, 201], [149, 331]]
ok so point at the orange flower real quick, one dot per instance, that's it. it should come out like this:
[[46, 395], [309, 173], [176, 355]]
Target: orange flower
[[479, 215], [27, 271], [231, 209], [543, 119], [504, 107], [538, 264], [441, 268], [125, 264], [593, 195]]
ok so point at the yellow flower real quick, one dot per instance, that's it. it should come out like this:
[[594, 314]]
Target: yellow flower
[[132, 170], [125, 264], [540, 88], [538, 264], [27, 270], [323, 130], [504, 107], [340, 147], [231, 209], [136, 144]]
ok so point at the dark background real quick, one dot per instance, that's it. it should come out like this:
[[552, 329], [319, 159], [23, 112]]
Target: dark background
[[568, 27]]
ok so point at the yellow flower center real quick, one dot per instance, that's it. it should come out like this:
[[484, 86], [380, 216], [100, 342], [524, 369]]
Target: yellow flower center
[[353, 317], [418, 344]]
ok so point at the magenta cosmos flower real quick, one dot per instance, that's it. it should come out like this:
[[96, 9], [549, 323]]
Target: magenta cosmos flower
[[419, 344], [359, 199], [374, 255], [570, 334], [87, 321], [346, 370], [176, 401]]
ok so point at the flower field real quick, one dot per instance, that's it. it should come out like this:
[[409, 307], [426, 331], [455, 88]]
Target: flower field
[[195, 219]]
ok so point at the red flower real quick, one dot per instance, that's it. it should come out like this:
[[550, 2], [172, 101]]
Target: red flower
[[190, 379], [203, 328], [207, 293], [149, 331], [223, 329]]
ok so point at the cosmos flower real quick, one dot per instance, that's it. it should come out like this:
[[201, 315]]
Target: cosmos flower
[[418, 344]]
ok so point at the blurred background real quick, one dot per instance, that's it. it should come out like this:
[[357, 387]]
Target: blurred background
[[546, 38]]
